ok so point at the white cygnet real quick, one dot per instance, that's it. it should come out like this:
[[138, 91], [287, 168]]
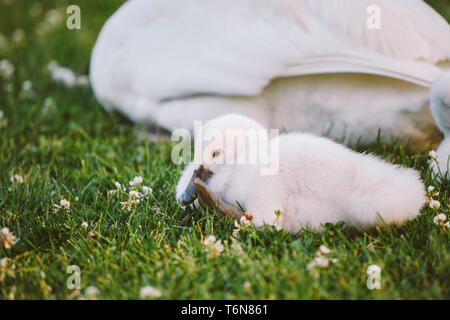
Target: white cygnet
[[310, 180]]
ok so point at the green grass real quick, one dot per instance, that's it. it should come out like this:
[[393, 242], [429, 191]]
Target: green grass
[[76, 149]]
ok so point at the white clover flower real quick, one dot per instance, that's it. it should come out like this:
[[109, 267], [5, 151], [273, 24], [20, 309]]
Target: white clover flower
[[92, 291], [3, 263], [7, 239], [147, 190], [6, 69], [54, 17], [433, 157], [244, 221], [324, 250], [84, 224], [134, 194], [65, 204], [209, 240], [320, 261], [246, 285], [440, 218], [434, 204], [27, 85], [136, 181], [27, 89], [16, 178], [150, 292], [213, 247]]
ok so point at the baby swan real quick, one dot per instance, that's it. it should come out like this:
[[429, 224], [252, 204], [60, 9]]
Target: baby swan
[[308, 179]]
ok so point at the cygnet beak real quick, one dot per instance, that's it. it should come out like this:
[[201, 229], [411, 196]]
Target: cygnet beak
[[190, 194]]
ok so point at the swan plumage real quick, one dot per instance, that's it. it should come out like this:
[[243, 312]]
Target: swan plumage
[[171, 62], [316, 180]]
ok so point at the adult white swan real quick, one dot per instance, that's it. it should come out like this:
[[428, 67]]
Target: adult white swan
[[312, 65]]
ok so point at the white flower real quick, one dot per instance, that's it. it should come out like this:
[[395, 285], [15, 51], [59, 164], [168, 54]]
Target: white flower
[[27, 85], [213, 246], [433, 157], [319, 261], [246, 285], [84, 224], [149, 292], [324, 250], [440, 218], [209, 240], [65, 204], [147, 190], [61, 74], [7, 239], [430, 189], [134, 194], [54, 16], [118, 185], [27, 89], [243, 223], [434, 204], [6, 69], [136, 180], [3, 263], [17, 178], [92, 292]]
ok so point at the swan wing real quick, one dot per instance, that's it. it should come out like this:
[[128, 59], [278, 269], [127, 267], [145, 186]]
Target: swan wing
[[161, 50]]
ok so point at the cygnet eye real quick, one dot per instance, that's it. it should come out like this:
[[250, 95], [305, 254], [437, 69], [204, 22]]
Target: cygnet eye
[[216, 153]]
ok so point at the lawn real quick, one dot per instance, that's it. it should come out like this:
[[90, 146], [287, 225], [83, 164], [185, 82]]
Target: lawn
[[65, 146]]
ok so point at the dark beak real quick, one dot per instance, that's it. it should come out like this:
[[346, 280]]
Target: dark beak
[[190, 194]]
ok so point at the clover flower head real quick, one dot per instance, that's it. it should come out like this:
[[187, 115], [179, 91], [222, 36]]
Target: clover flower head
[[7, 239], [434, 204], [149, 292]]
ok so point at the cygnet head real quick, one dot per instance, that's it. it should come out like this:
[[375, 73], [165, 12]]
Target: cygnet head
[[220, 142]]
